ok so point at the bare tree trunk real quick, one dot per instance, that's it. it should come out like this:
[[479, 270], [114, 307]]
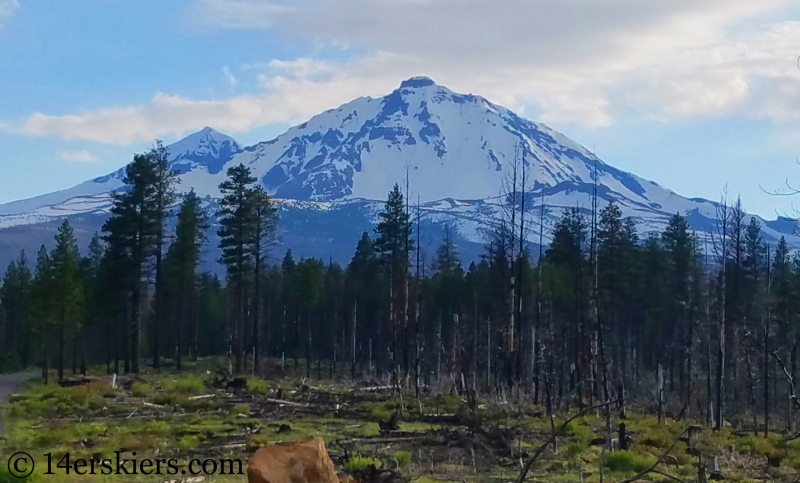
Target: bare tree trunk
[[723, 210], [767, 321], [417, 296], [522, 371], [353, 332], [539, 295]]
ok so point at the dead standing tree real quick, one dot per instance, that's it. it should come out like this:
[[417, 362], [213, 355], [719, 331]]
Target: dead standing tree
[[721, 250]]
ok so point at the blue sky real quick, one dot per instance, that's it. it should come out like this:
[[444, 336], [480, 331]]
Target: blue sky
[[693, 95]]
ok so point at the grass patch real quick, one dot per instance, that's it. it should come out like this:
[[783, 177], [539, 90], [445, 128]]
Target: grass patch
[[579, 432], [186, 383], [576, 448], [256, 385], [627, 462], [7, 477], [188, 443], [403, 458], [257, 441], [240, 409], [141, 389], [360, 463]]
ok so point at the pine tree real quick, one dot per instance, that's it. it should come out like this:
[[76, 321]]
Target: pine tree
[[68, 294], [44, 306], [784, 309], [309, 283], [678, 335], [133, 231], [237, 234], [94, 294], [290, 306], [265, 219], [15, 297], [181, 265], [447, 282], [211, 329], [393, 244], [364, 278], [163, 197], [568, 286]]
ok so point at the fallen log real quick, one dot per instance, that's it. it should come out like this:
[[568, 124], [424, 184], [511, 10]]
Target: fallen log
[[372, 440], [285, 403]]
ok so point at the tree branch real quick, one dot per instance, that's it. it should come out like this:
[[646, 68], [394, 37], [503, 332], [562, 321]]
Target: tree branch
[[789, 378], [652, 468], [554, 435]]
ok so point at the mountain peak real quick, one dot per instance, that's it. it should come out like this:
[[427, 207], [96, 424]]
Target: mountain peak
[[456, 151], [206, 147], [419, 81]]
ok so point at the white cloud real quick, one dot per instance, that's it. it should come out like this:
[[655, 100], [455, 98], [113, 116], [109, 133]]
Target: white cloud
[[684, 58], [573, 61], [82, 156], [242, 13], [226, 71], [289, 97], [7, 8]]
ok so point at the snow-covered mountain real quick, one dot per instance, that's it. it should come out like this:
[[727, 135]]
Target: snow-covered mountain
[[457, 150]]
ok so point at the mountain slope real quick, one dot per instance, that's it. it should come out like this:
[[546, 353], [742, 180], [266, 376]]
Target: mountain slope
[[457, 150]]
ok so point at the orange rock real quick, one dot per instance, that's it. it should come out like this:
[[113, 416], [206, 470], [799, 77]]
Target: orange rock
[[305, 462]]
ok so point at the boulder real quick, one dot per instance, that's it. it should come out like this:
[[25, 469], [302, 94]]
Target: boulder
[[304, 462]]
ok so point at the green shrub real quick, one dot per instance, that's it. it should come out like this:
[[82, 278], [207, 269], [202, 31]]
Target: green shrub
[[380, 414], [655, 434], [141, 389], [186, 383], [403, 458], [359, 463], [7, 477], [192, 405], [188, 443], [160, 428], [256, 385], [86, 430], [627, 462], [758, 446], [165, 399], [579, 432], [576, 448], [257, 441], [448, 403], [240, 409]]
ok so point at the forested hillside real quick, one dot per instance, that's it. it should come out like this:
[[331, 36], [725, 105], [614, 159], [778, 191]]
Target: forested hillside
[[688, 327]]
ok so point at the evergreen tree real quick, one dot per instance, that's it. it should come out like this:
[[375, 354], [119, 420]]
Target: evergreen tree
[[447, 285], [181, 265], [265, 219], [237, 234], [15, 297], [290, 303], [94, 295], [133, 231], [211, 329], [163, 197], [68, 293], [678, 334], [393, 245], [44, 306], [309, 283]]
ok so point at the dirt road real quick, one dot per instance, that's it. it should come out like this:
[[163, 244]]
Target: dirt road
[[9, 385]]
